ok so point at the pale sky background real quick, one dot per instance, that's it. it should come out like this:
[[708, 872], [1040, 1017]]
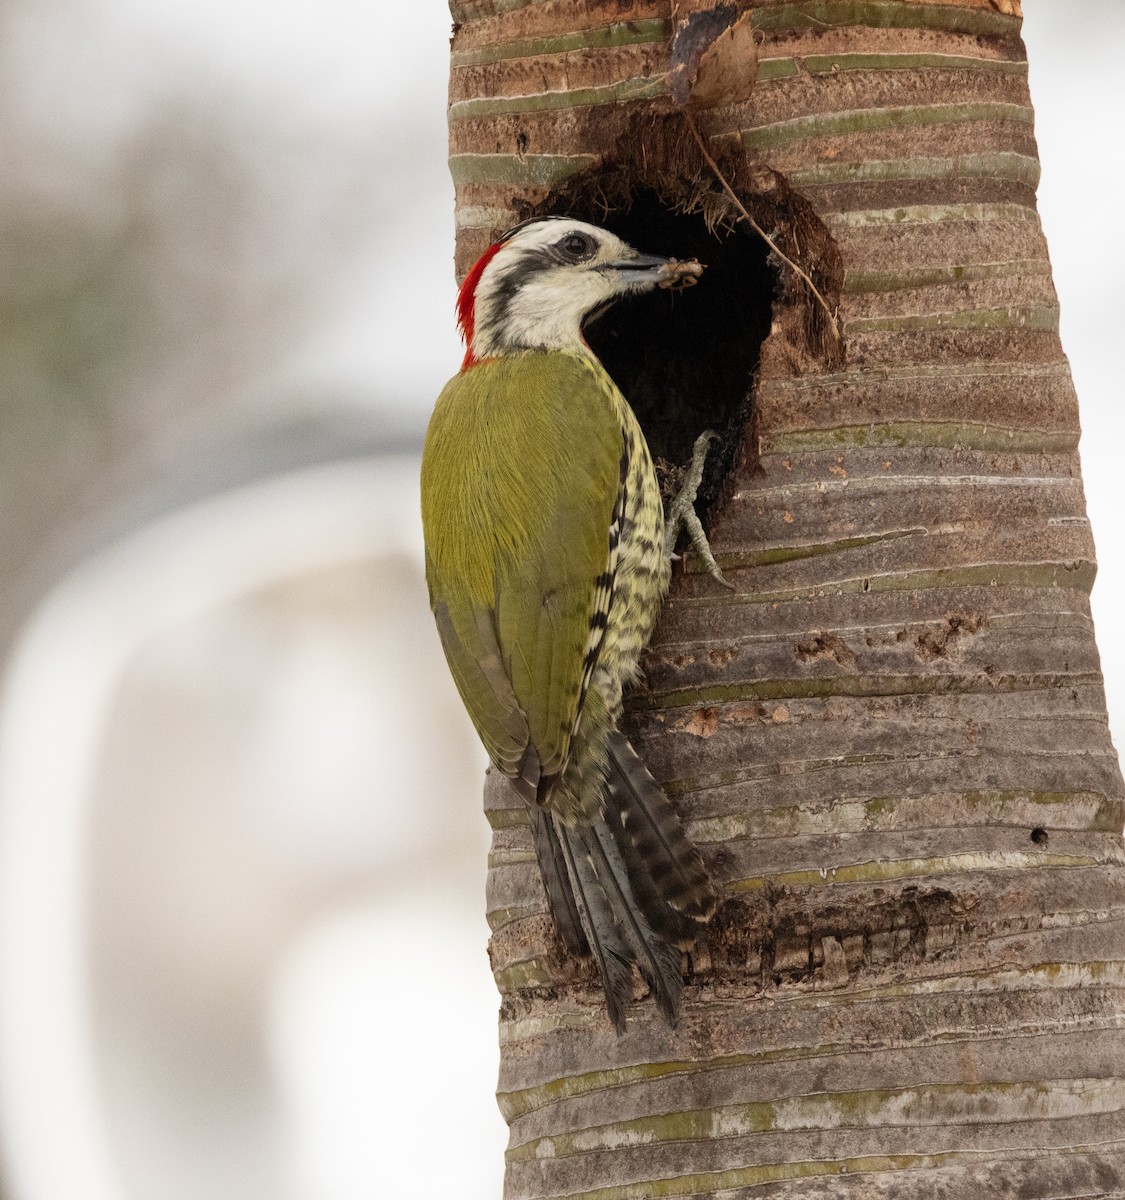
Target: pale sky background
[[326, 122]]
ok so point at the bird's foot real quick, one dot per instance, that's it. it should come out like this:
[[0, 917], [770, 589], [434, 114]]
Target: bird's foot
[[682, 514]]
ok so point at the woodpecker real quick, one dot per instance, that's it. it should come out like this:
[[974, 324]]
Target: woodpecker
[[546, 563]]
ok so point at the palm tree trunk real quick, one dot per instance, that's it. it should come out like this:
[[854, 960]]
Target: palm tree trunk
[[891, 742]]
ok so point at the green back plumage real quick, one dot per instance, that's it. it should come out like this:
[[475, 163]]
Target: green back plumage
[[520, 476]]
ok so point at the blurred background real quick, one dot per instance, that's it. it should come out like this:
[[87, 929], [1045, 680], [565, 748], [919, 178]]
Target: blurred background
[[242, 853]]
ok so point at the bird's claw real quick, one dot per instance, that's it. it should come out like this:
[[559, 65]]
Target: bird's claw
[[682, 514]]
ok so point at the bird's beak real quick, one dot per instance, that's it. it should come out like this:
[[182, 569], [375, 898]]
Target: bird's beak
[[647, 270]]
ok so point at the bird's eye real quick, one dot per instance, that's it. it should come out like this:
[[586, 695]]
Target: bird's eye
[[577, 247]]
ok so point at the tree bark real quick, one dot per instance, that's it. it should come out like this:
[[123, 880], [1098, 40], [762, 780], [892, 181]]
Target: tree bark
[[891, 742]]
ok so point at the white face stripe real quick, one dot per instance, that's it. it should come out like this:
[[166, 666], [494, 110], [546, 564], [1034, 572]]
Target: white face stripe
[[530, 297]]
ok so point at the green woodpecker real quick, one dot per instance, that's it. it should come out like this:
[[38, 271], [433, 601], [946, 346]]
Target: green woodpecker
[[546, 565]]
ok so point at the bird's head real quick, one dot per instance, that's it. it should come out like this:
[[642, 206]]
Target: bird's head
[[533, 288]]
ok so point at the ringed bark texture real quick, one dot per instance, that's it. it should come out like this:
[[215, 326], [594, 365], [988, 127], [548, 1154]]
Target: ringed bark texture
[[891, 742]]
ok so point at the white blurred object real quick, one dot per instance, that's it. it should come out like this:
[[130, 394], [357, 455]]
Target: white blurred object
[[1073, 52], [178, 804], [365, 1073]]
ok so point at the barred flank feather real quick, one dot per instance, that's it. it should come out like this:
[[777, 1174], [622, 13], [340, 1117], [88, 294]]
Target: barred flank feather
[[669, 881]]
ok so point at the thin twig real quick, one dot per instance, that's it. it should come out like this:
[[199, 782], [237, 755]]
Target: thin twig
[[757, 228]]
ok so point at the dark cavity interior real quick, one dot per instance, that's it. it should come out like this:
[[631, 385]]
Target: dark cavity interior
[[686, 360]]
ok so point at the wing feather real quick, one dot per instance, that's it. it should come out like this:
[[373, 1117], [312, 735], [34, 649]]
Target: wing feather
[[520, 487]]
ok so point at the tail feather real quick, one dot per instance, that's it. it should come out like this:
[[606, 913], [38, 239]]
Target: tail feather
[[600, 924], [556, 881], [658, 961], [627, 887], [670, 882]]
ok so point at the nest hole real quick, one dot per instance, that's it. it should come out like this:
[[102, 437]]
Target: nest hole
[[686, 360]]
